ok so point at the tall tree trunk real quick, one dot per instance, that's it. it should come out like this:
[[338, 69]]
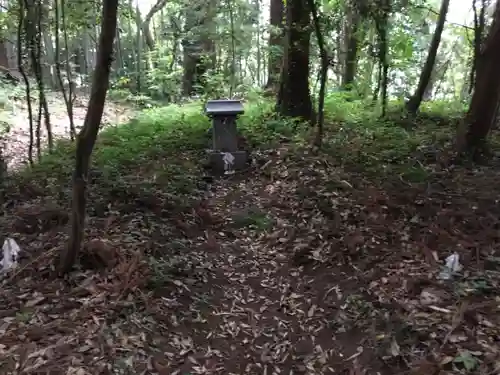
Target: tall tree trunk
[[120, 66], [276, 39], [430, 86], [232, 77], [48, 59], [414, 103], [22, 44], [351, 59], [323, 74], [381, 25], [4, 60], [87, 62], [67, 95], [369, 65], [439, 79], [481, 115], [479, 26], [79, 59], [175, 43], [294, 97], [138, 23], [258, 32], [88, 135], [147, 21], [199, 47]]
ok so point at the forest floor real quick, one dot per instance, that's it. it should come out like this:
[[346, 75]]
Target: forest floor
[[296, 266]]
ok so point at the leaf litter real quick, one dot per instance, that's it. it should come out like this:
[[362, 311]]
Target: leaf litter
[[331, 274]]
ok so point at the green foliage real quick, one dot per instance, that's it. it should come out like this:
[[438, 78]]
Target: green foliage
[[157, 133], [467, 360], [396, 146], [215, 85], [262, 126], [125, 96], [170, 141], [252, 218], [158, 73], [164, 135], [9, 95], [157, 136]]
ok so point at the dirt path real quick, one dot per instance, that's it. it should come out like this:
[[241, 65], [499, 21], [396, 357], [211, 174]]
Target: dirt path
[[298, 277], [256, 313], [16, 115]]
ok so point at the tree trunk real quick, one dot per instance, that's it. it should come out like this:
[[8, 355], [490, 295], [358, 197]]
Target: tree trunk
[[67, 95], [34, 39], [425, 77], [382, 27], [139, 66], [275, 51], [88, 135], [120, 66], [87, 62], [479, 26], [175, 44], [294, 98], [351, 59], [4, 61], [258, 39], [441, 78], [79, 59], [427, 96], [147, 21], [481, 115], [199, 49], [323, 74]]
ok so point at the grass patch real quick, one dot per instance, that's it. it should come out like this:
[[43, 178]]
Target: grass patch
[[252, 218], [164, 146], [396, 145], [167, 143]]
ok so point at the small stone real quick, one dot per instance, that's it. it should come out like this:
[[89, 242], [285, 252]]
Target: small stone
[[431, 296]]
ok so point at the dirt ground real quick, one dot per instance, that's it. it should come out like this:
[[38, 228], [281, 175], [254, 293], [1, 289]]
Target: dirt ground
[[296, 267], [16, 115]]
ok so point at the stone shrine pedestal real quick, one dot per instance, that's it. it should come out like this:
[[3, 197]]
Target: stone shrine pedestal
[[225, 158]]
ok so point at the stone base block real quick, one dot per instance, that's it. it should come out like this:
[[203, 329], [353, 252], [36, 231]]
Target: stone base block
[[218, 165]]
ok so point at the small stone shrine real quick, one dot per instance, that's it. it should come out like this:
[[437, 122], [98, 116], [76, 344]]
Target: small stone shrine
[[225, 158]]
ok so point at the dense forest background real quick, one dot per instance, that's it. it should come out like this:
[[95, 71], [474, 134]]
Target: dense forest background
[[361, 236], [167, 51]]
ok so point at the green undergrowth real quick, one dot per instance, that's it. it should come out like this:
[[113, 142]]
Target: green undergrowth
[[162, 146], [166, 145], [399, 145], [125, 97]]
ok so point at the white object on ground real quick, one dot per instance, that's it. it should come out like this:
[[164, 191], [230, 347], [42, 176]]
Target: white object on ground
[[452, 266], [228, 159], [10, 250]]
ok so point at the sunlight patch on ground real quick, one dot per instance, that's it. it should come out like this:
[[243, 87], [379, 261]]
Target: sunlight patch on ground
[[16, 116]]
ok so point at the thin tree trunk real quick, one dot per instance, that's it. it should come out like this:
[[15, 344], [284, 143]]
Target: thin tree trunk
[[20, 27], [139, 47], [479, 25], [88, 135], [414, 103], [147, 21], [276, 41], [67, 97], [351, 60], [323, 73]]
